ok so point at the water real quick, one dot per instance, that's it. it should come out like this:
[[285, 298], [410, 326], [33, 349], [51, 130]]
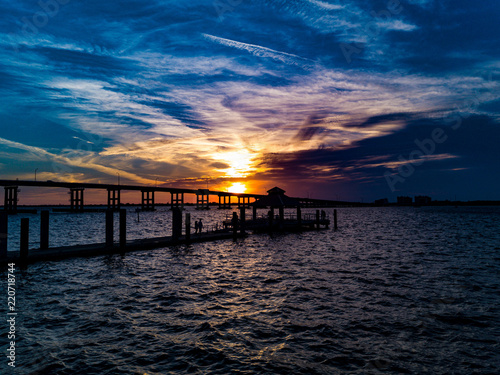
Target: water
[[394, 290]]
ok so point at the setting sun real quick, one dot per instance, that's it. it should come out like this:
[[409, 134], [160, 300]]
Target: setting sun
[[237, 187]]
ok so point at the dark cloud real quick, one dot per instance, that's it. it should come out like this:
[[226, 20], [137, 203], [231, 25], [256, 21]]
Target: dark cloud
[[473, 159], [138, 76], [380, 119], [220, 165]]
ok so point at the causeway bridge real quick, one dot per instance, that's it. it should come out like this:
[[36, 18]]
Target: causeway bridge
[[177, 195]]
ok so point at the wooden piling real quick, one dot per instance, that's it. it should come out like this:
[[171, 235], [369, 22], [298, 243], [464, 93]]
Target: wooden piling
[[270, 215], [299, 217], [176, 223], [335, 219], [234, 221], [282, 214], [109, 227], [4, 228], [44, 229], [254, 213], [242, 220], [25, 239], [123, 228], [317, 219], [188, 227]]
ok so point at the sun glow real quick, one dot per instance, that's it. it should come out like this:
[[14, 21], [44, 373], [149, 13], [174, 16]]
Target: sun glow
[[237, 188]]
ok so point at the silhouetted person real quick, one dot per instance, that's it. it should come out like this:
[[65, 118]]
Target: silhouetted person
[[196, 226], [323, 215], [200, 225]]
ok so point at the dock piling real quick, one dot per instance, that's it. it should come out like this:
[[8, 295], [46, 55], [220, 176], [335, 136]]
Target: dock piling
[[235, 225], [281, 211], [317, 219], [25, 238], [4, 228], [299, 217], [176, 223], [188, 227], [123, 228], [242, 220], [335, 219], [109, 227], [44, 229]]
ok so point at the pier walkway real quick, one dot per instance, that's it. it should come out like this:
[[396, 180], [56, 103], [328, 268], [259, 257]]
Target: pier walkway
[[234, 227]]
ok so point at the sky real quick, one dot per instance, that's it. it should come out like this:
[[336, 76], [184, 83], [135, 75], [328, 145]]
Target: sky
[[352, 100]]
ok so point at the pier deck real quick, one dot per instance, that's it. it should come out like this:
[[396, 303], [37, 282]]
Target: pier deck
[[87, 250], [56, 253]]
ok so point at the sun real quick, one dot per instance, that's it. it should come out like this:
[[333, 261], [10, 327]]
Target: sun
[[237, 187]]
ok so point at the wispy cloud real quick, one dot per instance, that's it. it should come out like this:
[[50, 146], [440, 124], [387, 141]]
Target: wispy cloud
[[168, 90]]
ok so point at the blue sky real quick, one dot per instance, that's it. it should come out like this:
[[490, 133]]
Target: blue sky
[[326, 98]]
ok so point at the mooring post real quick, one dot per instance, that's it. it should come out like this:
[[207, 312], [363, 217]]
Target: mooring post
[[335, 219], [188, 227], [176, 223], [271, 218], [44, 229], [242, 220], [25, 238], [4, 228], [235, 225], [123, 228], [317, 219], [254, 213], [109, 227]]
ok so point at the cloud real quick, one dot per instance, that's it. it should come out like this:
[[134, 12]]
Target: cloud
[[168, 87]]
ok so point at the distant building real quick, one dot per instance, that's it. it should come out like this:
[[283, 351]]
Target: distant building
[[422, 200], [405, 201], [381, 202]]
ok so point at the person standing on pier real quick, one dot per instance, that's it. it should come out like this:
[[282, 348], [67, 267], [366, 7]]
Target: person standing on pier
[[196, 226], [200, 225]]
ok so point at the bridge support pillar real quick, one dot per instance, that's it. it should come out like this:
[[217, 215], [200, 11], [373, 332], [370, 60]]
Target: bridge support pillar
[[243, 202], [76, 199], [10, 203], [224, 202], [148, 200], [176, 200], [114, 199], [202, 199]]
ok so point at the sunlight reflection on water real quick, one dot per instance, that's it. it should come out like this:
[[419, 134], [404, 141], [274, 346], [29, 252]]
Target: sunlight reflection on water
[[398, 290]]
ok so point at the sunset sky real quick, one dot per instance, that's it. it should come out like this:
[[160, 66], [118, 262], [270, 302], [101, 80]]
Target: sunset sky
[[323, 98]]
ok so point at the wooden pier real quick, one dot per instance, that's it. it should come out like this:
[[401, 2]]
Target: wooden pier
[[234, 227]]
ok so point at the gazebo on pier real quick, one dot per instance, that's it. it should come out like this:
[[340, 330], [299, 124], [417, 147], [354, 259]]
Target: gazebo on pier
[[276, 199]]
